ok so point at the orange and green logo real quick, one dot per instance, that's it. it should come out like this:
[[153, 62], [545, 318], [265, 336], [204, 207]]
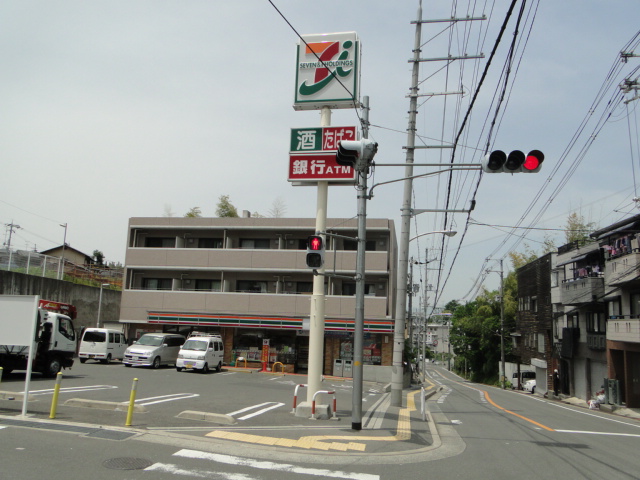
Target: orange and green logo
[[327, 71], [325, 54]]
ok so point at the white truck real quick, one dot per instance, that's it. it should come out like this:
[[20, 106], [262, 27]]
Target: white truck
[[56, 341]]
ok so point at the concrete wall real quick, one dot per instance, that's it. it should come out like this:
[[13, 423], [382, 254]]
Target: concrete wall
[[83, 297]]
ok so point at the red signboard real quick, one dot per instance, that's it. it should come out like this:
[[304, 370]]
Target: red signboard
[[318, 166]]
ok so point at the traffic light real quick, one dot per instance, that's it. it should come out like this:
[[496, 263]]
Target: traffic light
[[516, 162], [315, 251], [356, 153]]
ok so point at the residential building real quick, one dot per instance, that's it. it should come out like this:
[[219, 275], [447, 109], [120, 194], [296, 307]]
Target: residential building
[[579, 319], [247, 280], [532, 338], [620, 248]]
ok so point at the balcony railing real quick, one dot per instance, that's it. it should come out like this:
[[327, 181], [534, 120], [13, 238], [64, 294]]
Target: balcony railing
[[582, 290], [624, 328]]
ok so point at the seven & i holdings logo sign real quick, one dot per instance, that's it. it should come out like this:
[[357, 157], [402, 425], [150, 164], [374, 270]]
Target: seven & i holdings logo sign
[[328, 71]]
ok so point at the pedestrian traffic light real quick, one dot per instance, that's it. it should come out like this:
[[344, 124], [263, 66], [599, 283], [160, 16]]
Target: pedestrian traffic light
[[356, 153], [315, 251], [516, 162]]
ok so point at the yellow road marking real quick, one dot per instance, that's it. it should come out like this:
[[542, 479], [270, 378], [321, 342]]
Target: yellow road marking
[[321, 442], [515, 414]]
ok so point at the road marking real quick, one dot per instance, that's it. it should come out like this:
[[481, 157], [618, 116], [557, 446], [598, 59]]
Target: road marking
[[549, 429], [166, 398], [87, 388], [272, 466], [322, 442], [175, 470], [601, 433], [272, 405]]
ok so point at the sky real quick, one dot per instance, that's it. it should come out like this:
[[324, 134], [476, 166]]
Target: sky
[[143, 108]]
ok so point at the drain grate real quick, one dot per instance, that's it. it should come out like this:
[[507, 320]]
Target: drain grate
[[127, 463]]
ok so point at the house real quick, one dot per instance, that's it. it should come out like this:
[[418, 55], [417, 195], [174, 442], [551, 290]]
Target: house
[[620, 247], [70, 254], [578, 287], [247, 280], [532, 338]]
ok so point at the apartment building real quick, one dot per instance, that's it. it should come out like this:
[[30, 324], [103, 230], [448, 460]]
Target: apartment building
[[620, 246], [247, 280], [578, 287]]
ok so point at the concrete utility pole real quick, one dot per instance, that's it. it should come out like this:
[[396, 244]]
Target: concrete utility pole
[[397, 369], [358, 334]]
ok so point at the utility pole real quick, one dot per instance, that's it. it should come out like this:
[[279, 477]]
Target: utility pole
[[502, 326], [397, 369], [11, 227], [358, 334]]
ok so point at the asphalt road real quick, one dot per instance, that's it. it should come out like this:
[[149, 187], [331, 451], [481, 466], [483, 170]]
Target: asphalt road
[[474, 431]]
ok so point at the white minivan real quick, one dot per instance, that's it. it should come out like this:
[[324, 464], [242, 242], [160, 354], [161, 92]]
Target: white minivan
[[201, 352], [102, 344]]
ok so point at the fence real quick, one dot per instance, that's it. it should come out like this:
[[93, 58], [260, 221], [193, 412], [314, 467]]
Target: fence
[[33, 263]]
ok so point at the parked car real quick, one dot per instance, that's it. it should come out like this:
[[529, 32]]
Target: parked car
[[524, 376], [201, 352], [153, 350], [530, 386], [102, 344]]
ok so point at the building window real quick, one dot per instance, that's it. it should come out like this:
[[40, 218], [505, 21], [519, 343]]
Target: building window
[[304, 287], [208, 285], [159, 242], [634, 305], [596, 322], [614, 308], [255, 243], [209, 243], [541, 343], [573, 321], [555, 276], [157, 283], [251, 286], [534, 304], [350, 289], [370, 245]]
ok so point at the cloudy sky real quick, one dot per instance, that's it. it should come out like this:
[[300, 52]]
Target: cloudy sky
[[114, 109]]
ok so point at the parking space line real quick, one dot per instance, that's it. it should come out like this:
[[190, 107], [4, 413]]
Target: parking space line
[[166, 398], [88, 388], [253, 407]]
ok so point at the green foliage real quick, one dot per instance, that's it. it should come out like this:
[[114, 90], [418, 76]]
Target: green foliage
[[98, 256], [225, 208], [194, 212], [577, 229]]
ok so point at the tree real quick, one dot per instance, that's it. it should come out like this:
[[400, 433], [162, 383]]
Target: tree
[[194, 213], [225, 208], [98, 256], [167, 211], [278, 208], [577, 229]]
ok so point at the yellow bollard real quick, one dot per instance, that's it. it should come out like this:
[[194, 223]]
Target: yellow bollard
[[1, 370], [56, 391], [132, 401]]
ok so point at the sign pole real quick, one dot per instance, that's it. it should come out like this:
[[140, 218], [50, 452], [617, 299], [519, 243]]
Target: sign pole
[[316, 313]]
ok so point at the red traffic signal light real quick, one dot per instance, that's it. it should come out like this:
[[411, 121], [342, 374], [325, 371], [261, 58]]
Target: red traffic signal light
[[516, 162], [533, 162], [315, 251]]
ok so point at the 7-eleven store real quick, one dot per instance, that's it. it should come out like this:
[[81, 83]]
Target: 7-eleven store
[[247, 280]]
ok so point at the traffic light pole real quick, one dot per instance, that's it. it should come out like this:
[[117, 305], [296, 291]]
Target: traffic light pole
[[358, 333]]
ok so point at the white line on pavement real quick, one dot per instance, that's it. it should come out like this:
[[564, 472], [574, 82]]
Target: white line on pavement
[[253, 407], [87, 388], [166, 398], [601, 433], [280, 467]]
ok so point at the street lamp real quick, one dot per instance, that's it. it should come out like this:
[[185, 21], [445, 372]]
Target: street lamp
[[100, 303], [397, 369]]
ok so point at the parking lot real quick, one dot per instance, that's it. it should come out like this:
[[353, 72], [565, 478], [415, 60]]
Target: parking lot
[[252, 399]]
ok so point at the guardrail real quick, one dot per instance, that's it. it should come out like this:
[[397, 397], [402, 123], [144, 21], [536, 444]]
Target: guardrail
[[313, 404], [295, 396]]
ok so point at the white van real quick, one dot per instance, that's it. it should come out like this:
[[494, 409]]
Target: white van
[[201, 352], [102, 344]]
